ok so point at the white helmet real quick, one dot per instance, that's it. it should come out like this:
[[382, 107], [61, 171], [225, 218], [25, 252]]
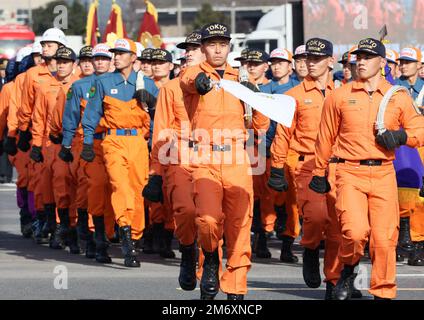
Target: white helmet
[[231, 59], [55, 35], [36, 47], [140, 49], [22, 53]]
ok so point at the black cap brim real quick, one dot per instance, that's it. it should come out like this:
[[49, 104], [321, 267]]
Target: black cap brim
[[184, 45], [217, 37], [367, 52]]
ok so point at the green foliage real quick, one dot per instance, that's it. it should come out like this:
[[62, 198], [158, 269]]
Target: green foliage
[[207, 15]]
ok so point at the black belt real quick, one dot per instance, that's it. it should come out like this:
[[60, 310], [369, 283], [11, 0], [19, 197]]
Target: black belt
[[368, 162], [334, 160], [301, 158], [191, 144]]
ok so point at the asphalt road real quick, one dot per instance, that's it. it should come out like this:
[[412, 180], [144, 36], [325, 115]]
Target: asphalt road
[[31, 271]]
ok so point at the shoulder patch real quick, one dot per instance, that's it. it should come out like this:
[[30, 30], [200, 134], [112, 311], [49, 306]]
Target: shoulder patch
[[69, 94], [92, 92]]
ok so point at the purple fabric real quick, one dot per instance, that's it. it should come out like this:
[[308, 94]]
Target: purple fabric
[[409, 168], [20, 197], [31, 204]]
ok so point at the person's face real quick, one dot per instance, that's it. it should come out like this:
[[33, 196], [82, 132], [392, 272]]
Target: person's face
[[318, 65], [194, 55], [216, 51], [409, 68], [257, 69], [123, 60], [161, 69], [393, 69], [280, 68], [37, 59], [137, 65], [86, 66], [101, 64], [146, 68], [368, 65], [347, 71], [64, 67], [2, 73], [49, 48], [300, 66], [421, 72]]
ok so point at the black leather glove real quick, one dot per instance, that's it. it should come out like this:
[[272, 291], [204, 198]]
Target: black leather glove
[[153, 189], [56, 140], [36, 154], [24, 139], [65, 154], [391, 139], [250, 86], [87, 152], [1, 147], [320, 184], [277, 181], [203, 83], [10, 146]]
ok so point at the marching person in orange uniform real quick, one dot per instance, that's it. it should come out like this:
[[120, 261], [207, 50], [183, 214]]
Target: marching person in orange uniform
[[57, 186], [98, 188], [124, 147], [78, 177], [318, 216], [223, 189], [160, 214], [51, 40], [367, 203], [171, 128]]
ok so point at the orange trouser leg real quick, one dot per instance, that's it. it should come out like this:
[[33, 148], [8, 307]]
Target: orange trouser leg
[[35, 184], [333, 235], [21, 162], [292, 224], [223, 197], [47, 173], [78, 175], [312, 205], [126, 161], [367, 206], [267, 199], [63, 185], [178, 183], [411, 205], [417, 223]]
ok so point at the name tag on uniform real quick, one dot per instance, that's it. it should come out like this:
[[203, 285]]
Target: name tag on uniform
[[352, 101], [87, 95], [308, 101], [113, 91]]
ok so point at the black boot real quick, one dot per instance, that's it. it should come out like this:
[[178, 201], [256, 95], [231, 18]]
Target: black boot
[[329, 291], [405, 245], [115, 238], [286, 250], [58, 241], [90, 246], [166, 244], [148, 241], [39, 236], [311, 274], [187, 278], [82, 224], [25, 217], [74, 247], [261, 245], [232, 296], [281, 222], [101, 241], [256, 221], [130, 254], [209, 284], [416, 258], [50, 225], [157, 231], [344, 287]]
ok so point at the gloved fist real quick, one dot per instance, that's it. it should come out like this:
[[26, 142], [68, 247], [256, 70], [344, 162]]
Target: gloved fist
[[391, 139], [277, 181], [36, 154], [24, 139], [203, 83], [65, 154], [250, 86], [10, 146], [144, 96], [87, 152], [56, 140], [153, 190], [319, 184]]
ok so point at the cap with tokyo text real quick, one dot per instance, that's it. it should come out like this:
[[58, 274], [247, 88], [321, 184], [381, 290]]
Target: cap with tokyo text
[[371, 46], [319, 47], [65, 53], [215, 30]]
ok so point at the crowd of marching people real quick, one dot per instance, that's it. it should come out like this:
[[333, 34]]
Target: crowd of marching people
[[119, 145]]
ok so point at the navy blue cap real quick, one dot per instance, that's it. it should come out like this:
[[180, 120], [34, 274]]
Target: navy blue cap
[[146, 54], [65, 53], [86, 52], [319, 47], [215, 30], [256, 55], [193, 38], [371, 46], [161, 55]]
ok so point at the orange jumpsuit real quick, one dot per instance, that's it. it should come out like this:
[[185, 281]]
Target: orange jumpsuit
[[222, 186], [5, 95], [300, 138], [170, 140], [367, 203]]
